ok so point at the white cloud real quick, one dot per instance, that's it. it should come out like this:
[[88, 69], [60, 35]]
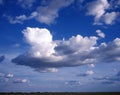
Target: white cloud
[[9, 75], [20, 81], [89, 72], [97, 8], [109, 18], [45, 55], [26, 3], [100, 33], [91, 65], [47, 14], [44, 14]]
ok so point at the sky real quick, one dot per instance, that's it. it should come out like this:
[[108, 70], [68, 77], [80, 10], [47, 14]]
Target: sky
[[59, 45]]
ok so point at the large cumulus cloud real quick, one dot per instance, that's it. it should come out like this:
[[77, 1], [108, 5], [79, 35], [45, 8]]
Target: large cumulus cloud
[[76, 51]]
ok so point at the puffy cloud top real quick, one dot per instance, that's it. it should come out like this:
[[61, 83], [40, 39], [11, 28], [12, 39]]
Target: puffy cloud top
[[40, 40]]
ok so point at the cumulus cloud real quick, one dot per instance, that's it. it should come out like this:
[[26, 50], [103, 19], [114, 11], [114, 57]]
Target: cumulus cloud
[[99, 9], [2, 58], [91, 65], [78, 50], [109, 18], [100, 33]]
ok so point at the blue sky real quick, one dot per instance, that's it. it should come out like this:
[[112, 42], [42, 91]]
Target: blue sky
[[59, 45]]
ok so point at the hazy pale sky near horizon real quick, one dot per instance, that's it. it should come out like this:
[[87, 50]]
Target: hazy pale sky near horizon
[[59, 45]]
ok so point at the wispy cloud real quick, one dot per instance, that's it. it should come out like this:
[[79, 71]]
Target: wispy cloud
[[26, 3]]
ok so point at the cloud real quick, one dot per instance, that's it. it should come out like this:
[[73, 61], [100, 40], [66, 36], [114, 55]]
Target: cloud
[[97, 8], [100, 33], [40, 40], [45, 70], [91, 65], [87, 73], [2, 58], [109, 18], [26, 3], [102, 12], [9, 75], [46, 53], [17, 19], [20, 81]]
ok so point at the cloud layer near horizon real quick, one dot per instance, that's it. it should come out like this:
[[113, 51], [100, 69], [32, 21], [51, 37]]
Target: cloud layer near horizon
[[76, 51]]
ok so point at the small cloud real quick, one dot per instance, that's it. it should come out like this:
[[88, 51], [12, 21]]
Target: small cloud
[[9, 75], [97, 9], [47, 70], [73, 83], [100, 33], [91, 65], [20, 81], [109, 18], [87, 73]]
